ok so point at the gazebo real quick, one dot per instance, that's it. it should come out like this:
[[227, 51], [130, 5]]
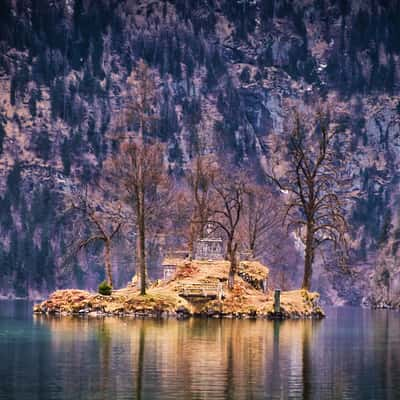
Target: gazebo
[[209, 249]]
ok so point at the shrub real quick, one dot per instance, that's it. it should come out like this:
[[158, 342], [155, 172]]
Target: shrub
[[105, 289]]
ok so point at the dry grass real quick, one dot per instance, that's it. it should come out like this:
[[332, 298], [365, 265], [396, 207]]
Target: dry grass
[[254, 268], [163, 296]]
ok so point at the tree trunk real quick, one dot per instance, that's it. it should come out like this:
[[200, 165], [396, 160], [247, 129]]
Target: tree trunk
[[203, 225], [232, 259], [191, 248], [308, 257], [138, 247], [142, 246], [252, 252], [107, 261], [191, 241], [137, 259]]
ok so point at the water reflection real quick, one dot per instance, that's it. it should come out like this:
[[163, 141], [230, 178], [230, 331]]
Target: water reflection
[[275, 367], [201, 358], [351, 355], [139, 374], [306, 362]]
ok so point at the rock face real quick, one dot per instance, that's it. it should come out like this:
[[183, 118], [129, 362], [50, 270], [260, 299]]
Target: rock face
[[384, 282], [225, 68]]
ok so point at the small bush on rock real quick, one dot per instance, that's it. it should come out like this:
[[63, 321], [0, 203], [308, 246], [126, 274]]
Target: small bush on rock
[[105, 289]]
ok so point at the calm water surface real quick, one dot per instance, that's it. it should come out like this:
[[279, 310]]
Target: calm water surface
[[353, 354]]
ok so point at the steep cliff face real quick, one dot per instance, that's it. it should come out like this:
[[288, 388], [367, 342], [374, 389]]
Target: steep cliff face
[[225, 69]]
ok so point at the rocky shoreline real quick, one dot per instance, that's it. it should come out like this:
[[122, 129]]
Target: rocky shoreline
[[380, 299], [154, 305], [382, 305]]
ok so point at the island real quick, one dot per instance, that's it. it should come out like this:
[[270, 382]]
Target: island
[[191, 288]]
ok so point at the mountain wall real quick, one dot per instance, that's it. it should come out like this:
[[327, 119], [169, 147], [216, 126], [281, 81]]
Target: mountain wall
[[225, 70]]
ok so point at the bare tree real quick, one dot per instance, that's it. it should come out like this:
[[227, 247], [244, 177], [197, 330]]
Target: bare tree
[[140, 108], [314, 186], [200, 176], [182, 231], [139, 168], [95, 221], [226, 212], [261, 216], [141, 178]]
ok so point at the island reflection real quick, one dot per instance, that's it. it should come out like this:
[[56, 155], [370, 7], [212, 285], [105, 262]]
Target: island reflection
[[219, 359]]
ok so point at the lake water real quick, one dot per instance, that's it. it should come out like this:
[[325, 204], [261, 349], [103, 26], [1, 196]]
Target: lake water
[[352, 354]]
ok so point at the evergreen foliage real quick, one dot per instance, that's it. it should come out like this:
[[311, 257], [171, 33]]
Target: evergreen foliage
[[105, 289]]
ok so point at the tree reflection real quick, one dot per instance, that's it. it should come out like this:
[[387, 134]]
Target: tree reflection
[[140, 363], [105, 353], [310, 329], [306, 361], [229, 389], [191, 359]]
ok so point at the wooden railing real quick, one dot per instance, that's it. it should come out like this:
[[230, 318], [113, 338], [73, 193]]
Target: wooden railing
[[206, 290]]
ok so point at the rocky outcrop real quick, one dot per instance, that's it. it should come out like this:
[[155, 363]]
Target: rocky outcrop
[[384, 285]]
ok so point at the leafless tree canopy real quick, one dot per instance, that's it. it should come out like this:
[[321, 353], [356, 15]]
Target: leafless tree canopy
[[261, 216], [223, 195], [95, 220], [140, 109], [313, 185], [138, 171], [226, 212], [200, 177], [141, 180]]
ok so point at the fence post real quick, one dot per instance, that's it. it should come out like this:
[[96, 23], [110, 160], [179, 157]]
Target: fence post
[[219, 291], [277, 301], [265, 285]]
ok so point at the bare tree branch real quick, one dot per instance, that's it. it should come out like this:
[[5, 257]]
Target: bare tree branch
[[313, 186]]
